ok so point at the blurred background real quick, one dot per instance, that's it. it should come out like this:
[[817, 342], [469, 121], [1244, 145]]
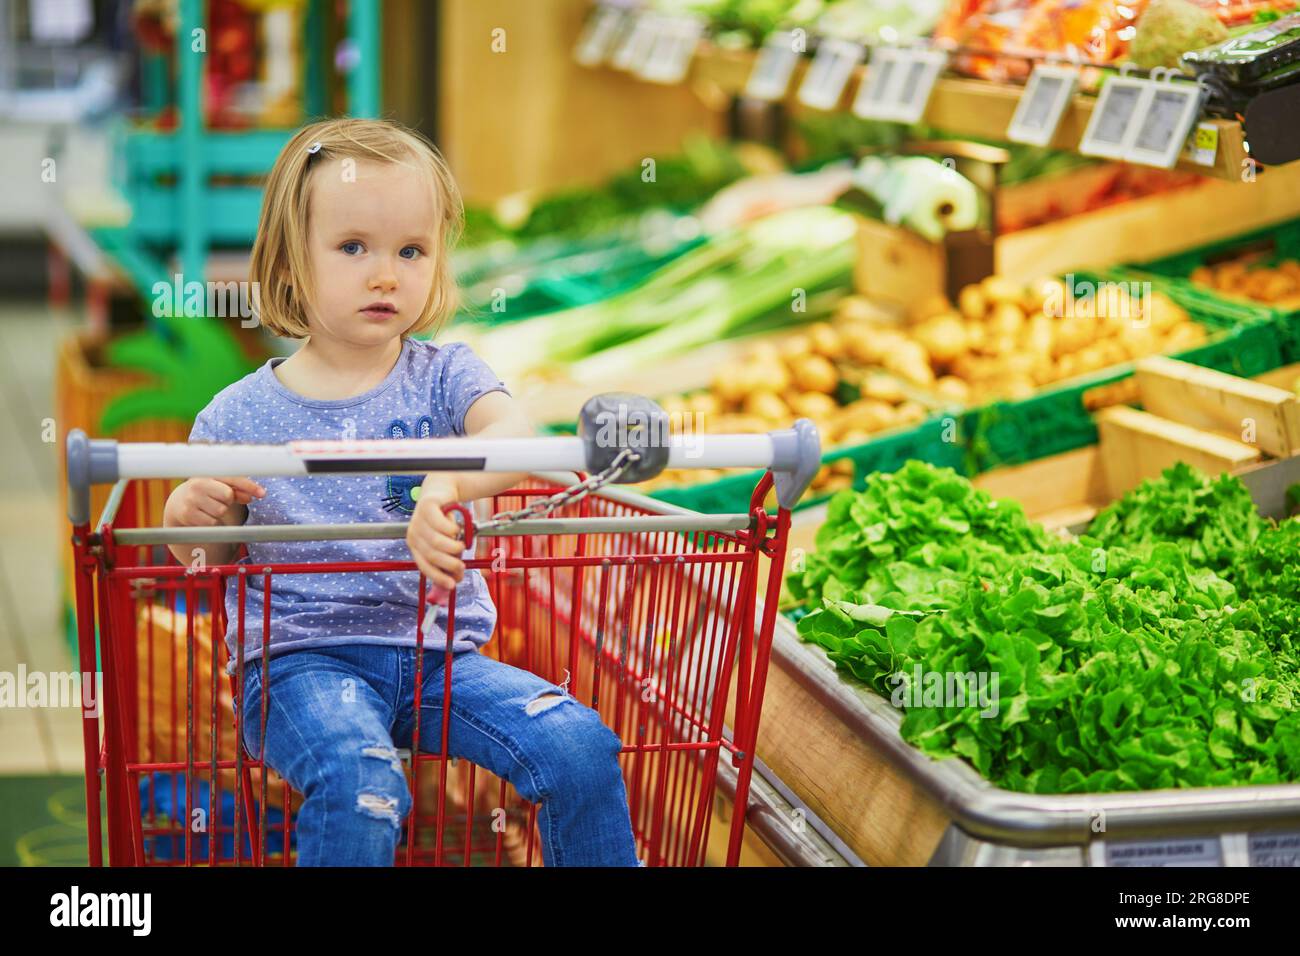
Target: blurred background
[[652, 204]]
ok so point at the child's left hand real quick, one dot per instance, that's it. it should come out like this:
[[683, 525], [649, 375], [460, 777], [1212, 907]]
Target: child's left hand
[[433, 536]]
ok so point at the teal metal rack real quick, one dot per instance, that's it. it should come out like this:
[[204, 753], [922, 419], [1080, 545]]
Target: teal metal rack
[[167, 176]]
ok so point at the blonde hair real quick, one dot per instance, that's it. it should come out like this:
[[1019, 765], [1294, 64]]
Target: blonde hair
[[280, 267]]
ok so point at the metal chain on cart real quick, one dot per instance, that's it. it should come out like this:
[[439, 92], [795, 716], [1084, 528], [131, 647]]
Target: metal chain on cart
[[577, 492]]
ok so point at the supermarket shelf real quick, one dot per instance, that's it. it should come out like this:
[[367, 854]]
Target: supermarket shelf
[[961, 106]]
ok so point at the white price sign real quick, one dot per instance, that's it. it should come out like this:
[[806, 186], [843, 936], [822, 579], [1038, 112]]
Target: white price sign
[[1166, 124], [830, 71], [770, 78], [1142, 121], [670, 54], [898, 84], [1047, 96], [600, 34], [637, 42], [1111, 128]]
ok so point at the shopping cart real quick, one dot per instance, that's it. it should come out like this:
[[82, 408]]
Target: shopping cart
[[648, 613]]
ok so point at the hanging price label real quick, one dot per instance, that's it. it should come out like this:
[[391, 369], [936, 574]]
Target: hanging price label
[[1166, 124], [670, 54], [1047, 96], [637, 42], [1142, 121], [898, 84], [1203, 146], [1111, 128], [830, 71], [599, 35], [770, 78]]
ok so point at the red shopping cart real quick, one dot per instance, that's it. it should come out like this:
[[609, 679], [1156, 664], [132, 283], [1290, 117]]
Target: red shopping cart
[[650, 614]]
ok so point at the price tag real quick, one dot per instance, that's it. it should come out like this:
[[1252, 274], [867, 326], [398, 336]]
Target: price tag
[[1203, 145], [898, 84], [770, 78], [1164, 126], [637, 42], [1111, 129], [830, 71], [599, 35], [1047, 96], [1196, 851], [674, 46], [1274, 849]]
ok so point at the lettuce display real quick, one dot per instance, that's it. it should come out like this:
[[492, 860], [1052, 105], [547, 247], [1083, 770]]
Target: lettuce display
[[1157, 650]]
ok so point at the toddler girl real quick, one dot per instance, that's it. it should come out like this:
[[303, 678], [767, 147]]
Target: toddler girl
[[351, 256]]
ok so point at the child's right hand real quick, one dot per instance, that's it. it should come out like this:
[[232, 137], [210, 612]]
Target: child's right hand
[[203, 502]]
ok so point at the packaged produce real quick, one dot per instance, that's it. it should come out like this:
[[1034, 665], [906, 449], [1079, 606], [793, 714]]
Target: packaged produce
[[1158, 650], [1169, 28], [1247, 58]]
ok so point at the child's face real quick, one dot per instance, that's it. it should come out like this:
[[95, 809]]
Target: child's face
[[371, 239]]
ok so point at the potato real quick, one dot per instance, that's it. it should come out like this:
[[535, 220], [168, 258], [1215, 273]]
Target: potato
[[910, 360], [928, 307], [730, 383], [882, 387], [909, 412], [1183, 336], [1005, 320], [1039, 335], [767, 405], [1072, 334], [943, 336], [976, 335], [812, 405], [1138, 341], [773, 376], [998, 289], [1055, 295], [866, 415], [1163, 313], [814, 373], [972, 303], [825, 340], [856, 308], [952, 389], [870, 346]]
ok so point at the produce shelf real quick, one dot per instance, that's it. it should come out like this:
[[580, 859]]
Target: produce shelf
[[893, 805], [961, 106]]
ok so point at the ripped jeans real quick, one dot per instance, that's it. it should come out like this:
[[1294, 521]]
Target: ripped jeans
[[337, 713]]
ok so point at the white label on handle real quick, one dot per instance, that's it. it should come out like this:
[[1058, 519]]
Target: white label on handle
[[1197, 851], [1274, 849], [830, 71], [770, 78]]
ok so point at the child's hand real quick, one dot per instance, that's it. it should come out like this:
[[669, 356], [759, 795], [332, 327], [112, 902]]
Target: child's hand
[[202, 502], [433, 537]]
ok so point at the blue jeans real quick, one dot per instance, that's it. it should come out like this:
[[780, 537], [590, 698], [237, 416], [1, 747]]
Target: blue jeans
[[337, 713]]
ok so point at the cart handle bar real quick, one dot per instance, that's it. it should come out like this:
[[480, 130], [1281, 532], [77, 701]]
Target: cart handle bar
[[793, 455]]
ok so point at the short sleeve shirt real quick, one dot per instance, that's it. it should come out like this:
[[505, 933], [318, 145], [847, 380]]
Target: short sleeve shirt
[[426, 395]]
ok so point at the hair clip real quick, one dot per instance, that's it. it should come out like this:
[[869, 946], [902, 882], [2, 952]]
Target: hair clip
[[314, 147]]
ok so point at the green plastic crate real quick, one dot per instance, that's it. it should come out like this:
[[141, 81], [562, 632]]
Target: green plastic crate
[[1278, 242], [1056, 421]]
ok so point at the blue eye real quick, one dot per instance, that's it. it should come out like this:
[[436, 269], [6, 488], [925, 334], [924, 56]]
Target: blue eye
[[414, 249], [346, 246]]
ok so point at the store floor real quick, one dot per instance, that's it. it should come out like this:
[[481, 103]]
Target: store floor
[[33, 740]]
